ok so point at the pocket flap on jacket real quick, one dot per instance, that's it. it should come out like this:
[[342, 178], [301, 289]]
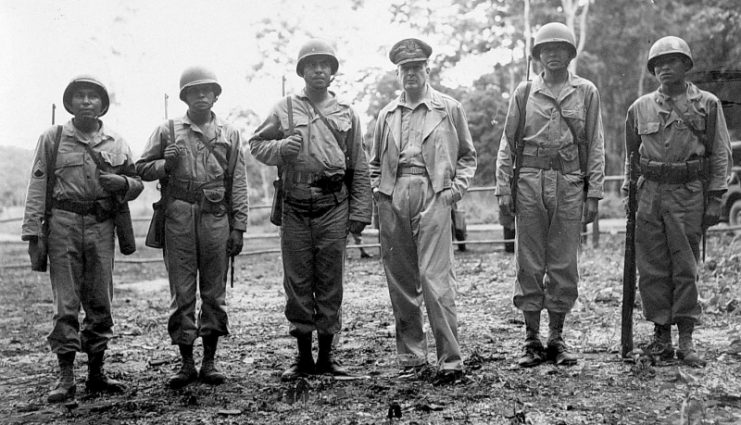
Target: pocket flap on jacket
[[114, 159], [648, 127]]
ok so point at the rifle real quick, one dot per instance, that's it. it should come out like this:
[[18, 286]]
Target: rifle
[[39, 260], [629, 264]]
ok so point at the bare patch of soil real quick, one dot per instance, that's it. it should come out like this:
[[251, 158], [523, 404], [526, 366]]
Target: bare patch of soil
[[602, 388]]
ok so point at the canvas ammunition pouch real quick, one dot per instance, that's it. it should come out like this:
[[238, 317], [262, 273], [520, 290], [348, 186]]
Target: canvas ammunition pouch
[[673, 172], [102, 209], [564, 160], [211, 197]]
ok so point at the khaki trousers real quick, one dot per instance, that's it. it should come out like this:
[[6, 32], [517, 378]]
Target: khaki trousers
[[668, 234], [195, 248], [549, 210], [417, 254], [81, 272]]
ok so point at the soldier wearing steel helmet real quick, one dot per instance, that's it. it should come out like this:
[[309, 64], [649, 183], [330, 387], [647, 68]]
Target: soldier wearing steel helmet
[[80, 229], [202, 170], [560, 183], [682, 149], [422, 161], [316, 141]]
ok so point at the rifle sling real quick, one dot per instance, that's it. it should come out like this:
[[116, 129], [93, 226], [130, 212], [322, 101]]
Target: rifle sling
[[51, 178]]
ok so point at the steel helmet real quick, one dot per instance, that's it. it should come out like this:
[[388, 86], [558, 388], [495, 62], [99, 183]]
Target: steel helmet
[[316, 47], [197, 75], [554, 32], [87, 80], [667, 46]]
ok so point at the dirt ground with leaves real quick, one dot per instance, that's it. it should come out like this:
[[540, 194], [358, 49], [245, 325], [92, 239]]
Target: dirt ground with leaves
[[602, 388]]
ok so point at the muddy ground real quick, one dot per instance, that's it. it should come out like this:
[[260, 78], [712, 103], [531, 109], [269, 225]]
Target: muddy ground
[[602, 388]]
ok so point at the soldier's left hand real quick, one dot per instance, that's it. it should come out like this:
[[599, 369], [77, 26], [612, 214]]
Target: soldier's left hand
[[235, 242], [112, 182], [590, 210], [712, 213], [356, 227]]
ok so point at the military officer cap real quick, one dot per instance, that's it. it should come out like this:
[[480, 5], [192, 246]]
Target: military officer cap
[[410, 50]]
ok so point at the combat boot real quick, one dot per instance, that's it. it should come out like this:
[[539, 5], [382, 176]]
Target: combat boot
[[97, 381], [661, 346], [533, 351], [557, 349], [686, 352], [325, 364], [65, 387], [304, 363], [187, 372], [208, 373]]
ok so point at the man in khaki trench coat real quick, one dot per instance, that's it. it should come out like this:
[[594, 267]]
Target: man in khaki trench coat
[[422, 161]]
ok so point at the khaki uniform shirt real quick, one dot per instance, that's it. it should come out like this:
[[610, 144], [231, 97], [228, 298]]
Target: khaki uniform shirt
[[320, 151], [196, 163], [76, 172], [546, 130], [665, 136]]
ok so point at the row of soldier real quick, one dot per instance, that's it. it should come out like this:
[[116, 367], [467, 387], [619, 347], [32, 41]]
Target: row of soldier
[[422, 160]]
